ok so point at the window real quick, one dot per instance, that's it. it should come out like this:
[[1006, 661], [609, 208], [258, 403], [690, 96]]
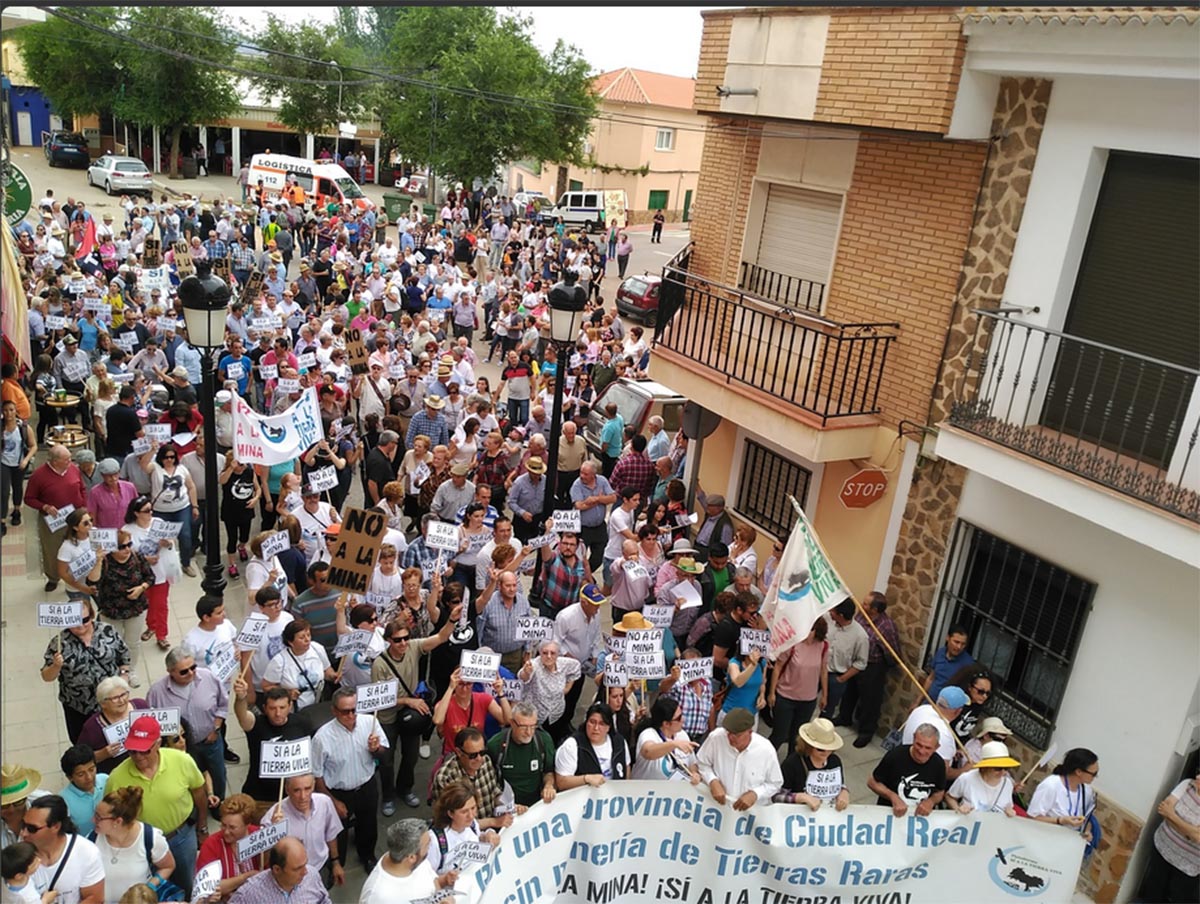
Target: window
[[664, 140], [1024, 616], [658, 200], [574, 185], [766, 482]]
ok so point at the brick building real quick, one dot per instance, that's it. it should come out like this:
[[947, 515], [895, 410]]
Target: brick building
[[921, 239]]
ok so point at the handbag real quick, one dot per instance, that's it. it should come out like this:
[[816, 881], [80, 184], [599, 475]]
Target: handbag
[[166, 890], [409, 718]]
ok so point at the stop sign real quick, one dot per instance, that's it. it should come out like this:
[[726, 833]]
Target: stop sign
[[863, 488]]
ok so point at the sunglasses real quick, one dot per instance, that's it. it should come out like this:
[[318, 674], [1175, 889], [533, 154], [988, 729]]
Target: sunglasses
[[31, 829], [145, 511], [87, 619], [188, 670], [982, 692], [402, 638], [473, 756], [344, 712], [124, 546]]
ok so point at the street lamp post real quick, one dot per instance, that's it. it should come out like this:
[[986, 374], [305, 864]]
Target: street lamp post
[[205, 298], [567, 301], [337, 126]]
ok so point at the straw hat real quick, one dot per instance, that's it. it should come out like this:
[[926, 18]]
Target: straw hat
[[689, 565], [437, 403], [16, 782], [277, 257], [994, 755], [821, 734], [681, 547], [632, 621], [993, 725], [535, 465]]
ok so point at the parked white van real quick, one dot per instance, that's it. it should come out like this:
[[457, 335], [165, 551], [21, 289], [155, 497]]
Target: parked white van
[[583, 208], [322, 182]]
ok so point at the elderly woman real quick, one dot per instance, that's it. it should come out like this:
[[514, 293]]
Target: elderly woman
[[125, 577], [163, 559], [116, 703], [392, 502], [547, 682], [75, 547], [78, 659], [454, 824], [237, 821], [813, 773], [741, 551], [414, 458], [1175, 874], [122, 840], [301, 666]]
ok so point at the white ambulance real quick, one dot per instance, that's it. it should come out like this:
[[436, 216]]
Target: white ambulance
[[322, 182]]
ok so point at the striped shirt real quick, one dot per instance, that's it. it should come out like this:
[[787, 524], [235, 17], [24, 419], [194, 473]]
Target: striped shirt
[[315, 829], [201, 702], [497, 624], [340, 756]]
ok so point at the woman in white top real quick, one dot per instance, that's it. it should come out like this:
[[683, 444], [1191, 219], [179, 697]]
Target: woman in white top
[[473, 537], [75, 546], [163, 559], [664, 750], [988, 788], [1065, 797], [414, 458], [464, 445], [301, 666], [454, 824], [261, 572], [270, 642], [741, 553], [120, 838]]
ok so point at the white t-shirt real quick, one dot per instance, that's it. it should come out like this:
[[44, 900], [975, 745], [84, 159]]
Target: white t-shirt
[[82, 869], [1052, 798], [567, 758], [130, 867], [985, 798], [441, 864], [268, 647], [206, 644], [27, 892], [619, 520], [257, 573], [927, 714], [382, 887], [671, 767], [304, 672]]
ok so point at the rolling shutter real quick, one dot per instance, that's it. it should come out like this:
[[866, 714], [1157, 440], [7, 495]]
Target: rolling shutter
[[799, 232]]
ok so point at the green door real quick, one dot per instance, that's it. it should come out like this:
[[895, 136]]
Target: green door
[[687, 205]]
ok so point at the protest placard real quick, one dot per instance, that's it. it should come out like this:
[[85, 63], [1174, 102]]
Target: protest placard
[[685, 520], [353, 561], [288, 385], [614, 645], [645, 665], [353, 642], [162, 529], [159, 433], [396, 371], [224, 663], [695, 669], [513, 689], [374, 697], [54, 322], [82, 563], [207, 882], [275, 544], [534, 628], [421, 474], [442, 536], [151, 252], [322, 479], [268, 371], [262, 840], [750, 640], [647, 640], [659, 616], [167, 719], [253, 287], [308, 360], [220, 267], [542, 540], [356, 351], [55, 523], [141, 445], [253, 630], [116, 732], [468, 853], [634, 570], [59, 615], [279, 759], [477, 665], [615, 674], [103, 538], [566, 521]]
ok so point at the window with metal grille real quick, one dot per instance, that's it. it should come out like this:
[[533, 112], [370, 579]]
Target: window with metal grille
[[766, 482], [1024, 617]]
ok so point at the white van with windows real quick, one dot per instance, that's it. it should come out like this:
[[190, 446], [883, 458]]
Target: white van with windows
[[583, 209], [322, 182]]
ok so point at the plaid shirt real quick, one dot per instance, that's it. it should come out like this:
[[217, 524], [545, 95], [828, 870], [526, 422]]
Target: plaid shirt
[[635, 470], [215, 248], [562, 582], [877, 652], [243, 257], [486, 783], [497, 624], [696, 707], [420, 555], [491, 471]]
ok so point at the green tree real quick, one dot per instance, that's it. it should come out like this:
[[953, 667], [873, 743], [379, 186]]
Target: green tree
[[488, 95], [73, 65], [167, 89]]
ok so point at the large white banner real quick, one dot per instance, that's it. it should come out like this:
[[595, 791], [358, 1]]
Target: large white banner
[[270, 439], [805, 587], [636, 841]]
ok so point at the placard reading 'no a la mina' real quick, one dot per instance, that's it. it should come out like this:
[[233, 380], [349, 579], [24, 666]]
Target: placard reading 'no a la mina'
[[353, 561], [695, 669], [59, 615], [356, 352], [279, 759], [534, 628], [374, 697], [477, 665], [322, 479], [615, 674], [750, 640], [275, 544], [648, 640], [262, 840], [566, 521]]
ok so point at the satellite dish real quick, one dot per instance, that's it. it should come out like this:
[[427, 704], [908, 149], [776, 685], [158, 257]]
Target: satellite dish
[[698, 422]]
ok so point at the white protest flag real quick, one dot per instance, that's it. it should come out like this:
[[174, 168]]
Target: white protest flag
[[805, 587], [273, 439]]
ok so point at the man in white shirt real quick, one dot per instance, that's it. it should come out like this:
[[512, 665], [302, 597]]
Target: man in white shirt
[[949, 705], [848, 649], [739, 764]]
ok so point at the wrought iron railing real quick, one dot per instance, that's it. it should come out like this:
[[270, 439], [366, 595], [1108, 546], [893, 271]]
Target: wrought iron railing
[[1121, 419], [789, 291], [832, 370]]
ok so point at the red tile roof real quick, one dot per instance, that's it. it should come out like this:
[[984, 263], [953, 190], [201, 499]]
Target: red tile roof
[[637, 86]]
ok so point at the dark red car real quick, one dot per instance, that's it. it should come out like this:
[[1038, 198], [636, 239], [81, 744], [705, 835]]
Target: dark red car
[[638, 298]]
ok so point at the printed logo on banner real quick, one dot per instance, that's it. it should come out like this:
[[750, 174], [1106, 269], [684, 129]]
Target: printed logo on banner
[[1019, 874]]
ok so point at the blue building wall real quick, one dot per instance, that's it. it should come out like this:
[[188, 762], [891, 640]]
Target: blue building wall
[[26, 99]]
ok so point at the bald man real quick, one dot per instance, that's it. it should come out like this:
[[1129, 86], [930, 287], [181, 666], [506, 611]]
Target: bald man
[[52, 487], [286, 878]]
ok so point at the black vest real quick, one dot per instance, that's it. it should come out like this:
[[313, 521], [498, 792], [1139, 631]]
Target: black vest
[[586, 761]]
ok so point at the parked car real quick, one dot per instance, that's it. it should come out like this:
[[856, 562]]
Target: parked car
[[66, 147], [637, 297], [636, 401], [123, 174]]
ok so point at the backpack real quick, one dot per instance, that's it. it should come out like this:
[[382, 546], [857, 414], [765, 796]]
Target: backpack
[[505, 736]]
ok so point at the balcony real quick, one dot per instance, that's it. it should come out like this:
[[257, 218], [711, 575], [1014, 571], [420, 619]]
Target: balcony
[[824, 374], [787, 291], [1118, 419]]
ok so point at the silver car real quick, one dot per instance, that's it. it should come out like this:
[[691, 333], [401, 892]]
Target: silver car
[[124, 174]]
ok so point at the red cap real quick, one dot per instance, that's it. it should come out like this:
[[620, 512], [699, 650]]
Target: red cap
[[142, 734]]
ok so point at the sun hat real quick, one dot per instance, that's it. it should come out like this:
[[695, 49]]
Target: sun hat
[[995, 755], [681, 547], [16, 783], [435, 402], [738, 720], [951, 697], [462, 469], [535, 465], [688, 565], [821, 734], [632, 621], [223, 396], [992, 725], [592, 595], [180, 371], [144, 731]]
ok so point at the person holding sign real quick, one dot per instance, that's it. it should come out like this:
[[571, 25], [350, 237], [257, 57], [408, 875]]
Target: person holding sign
[[174, 496], [101, 730], [664, 750], [812, 773], [747, 687], [125, 577], [237, 824], [455, 825], [564, 573], [301, 666], [79, 658], [161, 556], [547, 682], [78, 565]]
